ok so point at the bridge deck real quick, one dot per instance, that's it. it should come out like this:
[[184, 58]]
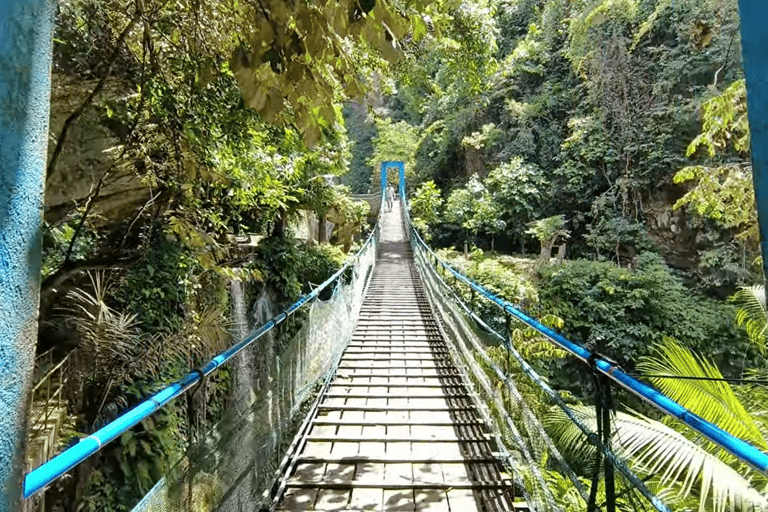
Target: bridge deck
[[397, 429]]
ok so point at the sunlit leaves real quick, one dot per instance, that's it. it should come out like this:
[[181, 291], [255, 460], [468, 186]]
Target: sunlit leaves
[[664, 455], [299, 57], [426, 202], [713, 400], [597, 22], [752, 314], [394, 142], [724, 194]]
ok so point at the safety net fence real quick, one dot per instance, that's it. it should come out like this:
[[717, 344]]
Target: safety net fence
[[505, 383], [235, 466], [516, 397]]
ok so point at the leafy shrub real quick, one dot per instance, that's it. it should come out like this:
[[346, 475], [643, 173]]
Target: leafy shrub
[[426, 203], [622, 312], [289, 266], [158, 287], [502, 278]]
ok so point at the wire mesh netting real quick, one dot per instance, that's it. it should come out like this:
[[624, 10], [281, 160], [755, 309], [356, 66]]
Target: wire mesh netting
[[234, 466], [491, 364]]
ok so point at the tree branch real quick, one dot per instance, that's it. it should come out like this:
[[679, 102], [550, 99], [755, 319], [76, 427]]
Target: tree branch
[[74, 116]]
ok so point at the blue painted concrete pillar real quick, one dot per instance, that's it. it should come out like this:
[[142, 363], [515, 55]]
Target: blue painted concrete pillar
[[26, 34], [384, 166], [754, 41]]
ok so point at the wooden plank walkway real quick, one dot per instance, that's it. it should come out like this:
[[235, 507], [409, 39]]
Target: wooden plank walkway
[[397, 429]]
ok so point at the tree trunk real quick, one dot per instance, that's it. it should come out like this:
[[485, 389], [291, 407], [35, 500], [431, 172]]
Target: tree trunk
[[321, 229], [546, 250], [561, 253], [278, 230]]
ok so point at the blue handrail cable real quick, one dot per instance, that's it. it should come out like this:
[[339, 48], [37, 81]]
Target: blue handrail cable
[[554, 396], [737, 447], [38, 478]]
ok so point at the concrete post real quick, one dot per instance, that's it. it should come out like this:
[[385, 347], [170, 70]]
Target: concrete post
[[754, 42], [26, 34]]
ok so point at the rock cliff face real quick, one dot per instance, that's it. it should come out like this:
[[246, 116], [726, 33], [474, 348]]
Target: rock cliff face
[[88, 156], [670, 230], [685, 243]]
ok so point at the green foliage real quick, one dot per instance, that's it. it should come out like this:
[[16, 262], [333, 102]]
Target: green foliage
[[670, 463], [532, 345], [447, 92], [144, 456], [509, 279], [462, 206], [723, 194], [519, 189], [291, 267], [623, 312], [546, 229], [722, 188], [611, 233], [304, 57], [426, 202], [361, 130], [474, 209], [100, 493], [57, 240], [713, 400], [426, 205], [597, 21], [394, 142], [725, 122], [157, 288], [752, 314]]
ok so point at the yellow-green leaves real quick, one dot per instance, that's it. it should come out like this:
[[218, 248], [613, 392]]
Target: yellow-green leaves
[[723, 191], [725, 122], [300, 57], [713, 400]]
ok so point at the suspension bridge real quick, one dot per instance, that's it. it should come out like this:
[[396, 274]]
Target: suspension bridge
[[376, 391]]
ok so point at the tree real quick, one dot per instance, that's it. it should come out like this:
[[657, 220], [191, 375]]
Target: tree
[[682, 462], [723, 190], [486, 218], [519, 189], [300, 58], [548, 231], [426, 205], [752, 314], [394, 142]]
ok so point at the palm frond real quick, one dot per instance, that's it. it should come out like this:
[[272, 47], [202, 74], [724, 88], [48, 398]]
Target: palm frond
[[654, 449], [752, 313], [713, 400]]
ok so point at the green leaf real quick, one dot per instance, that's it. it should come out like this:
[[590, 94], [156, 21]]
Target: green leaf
[[713, 400]]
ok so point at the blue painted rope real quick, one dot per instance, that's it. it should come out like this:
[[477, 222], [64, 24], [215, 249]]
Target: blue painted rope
[[733, 445], [38, 478]]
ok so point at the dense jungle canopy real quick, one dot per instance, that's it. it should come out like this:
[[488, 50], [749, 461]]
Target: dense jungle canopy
[[191, 141]]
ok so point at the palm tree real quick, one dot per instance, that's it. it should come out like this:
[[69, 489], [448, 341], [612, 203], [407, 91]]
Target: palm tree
[[752, 314], [683, 464]]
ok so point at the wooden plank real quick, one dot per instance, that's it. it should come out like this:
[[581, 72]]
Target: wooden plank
[[396, 459], [449, 408], [393, 439], [416, 484]]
